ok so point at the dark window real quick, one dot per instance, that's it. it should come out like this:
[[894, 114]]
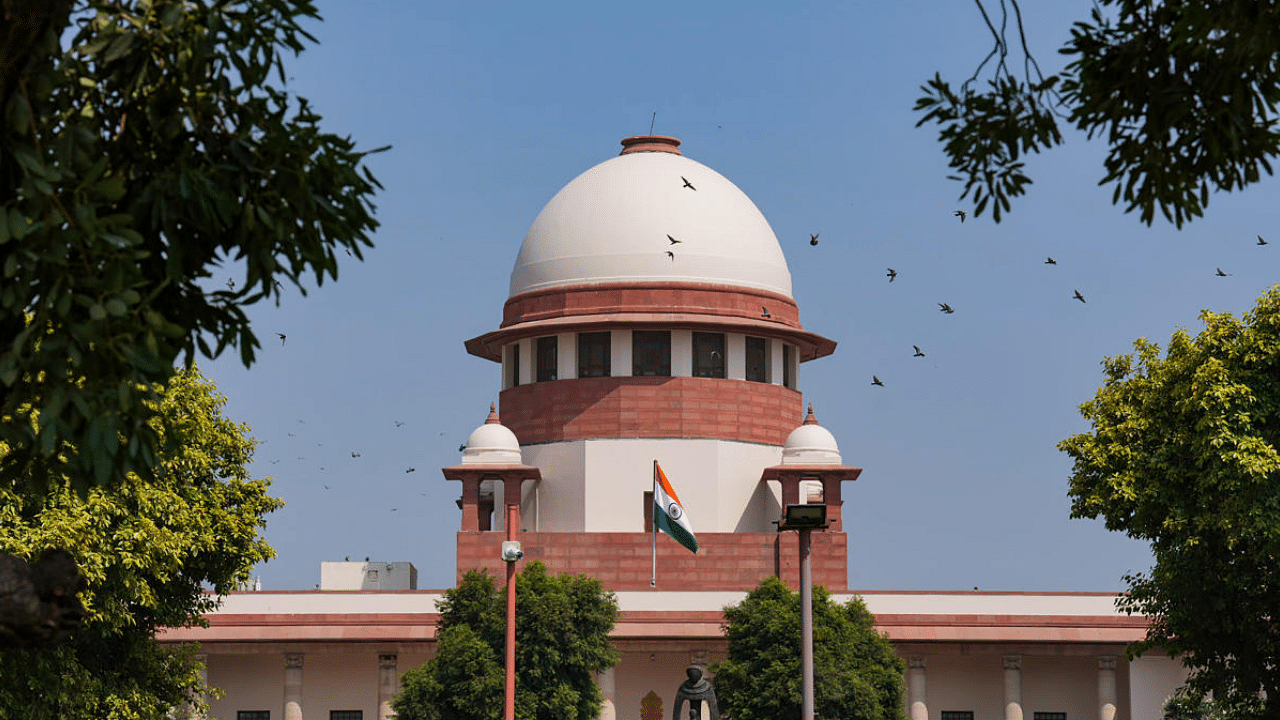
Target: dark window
[[708, 355], [757, 359], [346, 715], [593, 354], [957, 715], [1049, 716], [253, 715], [789, 366], [651, 352], [515, 364], [648, 511], [546, 358]]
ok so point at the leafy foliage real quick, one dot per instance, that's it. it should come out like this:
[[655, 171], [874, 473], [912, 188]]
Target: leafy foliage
[[857, 674], [1184, 453], [134, 162], [147, 548], [562, 641], [1184, 92]]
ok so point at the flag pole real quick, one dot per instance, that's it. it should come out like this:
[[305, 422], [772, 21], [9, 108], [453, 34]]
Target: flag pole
[[653, 574]]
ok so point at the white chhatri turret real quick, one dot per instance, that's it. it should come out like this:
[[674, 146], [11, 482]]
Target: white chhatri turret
[[811, 444], [492, 443]]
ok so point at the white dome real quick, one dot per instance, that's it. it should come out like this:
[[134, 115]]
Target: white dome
[[811, 444], [492, 443], [610, 224]]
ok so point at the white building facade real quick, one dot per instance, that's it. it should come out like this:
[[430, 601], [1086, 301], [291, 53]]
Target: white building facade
[[650, 317]]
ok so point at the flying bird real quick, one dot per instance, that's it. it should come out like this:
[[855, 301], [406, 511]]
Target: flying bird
[[326, 487], [411, 470], [282, 337], [687, 183], [876, 381], [355, 454], [674, 241], [231, 284], [1261, 241], [945, 308], [960, 214], [919, 353], [765, 312], [892, 274], [671, 255], [1050, 261], [1221, 274], [462, 447], [1079, 297], [813, 239], [399, 423]]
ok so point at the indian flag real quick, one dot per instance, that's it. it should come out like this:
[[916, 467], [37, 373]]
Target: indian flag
[[668, 513]]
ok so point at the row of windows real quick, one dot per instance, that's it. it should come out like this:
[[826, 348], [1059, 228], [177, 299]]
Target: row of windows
[[333, 715], [968, 715], [651, 357]]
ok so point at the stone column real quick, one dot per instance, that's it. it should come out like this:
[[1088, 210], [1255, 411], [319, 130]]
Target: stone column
[[1107, 687], [293, 686], [1012, 687], [609, 691], [919, 708], [388, 686], [470, 502]]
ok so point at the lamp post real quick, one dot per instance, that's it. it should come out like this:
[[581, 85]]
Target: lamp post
[[804, 519], [511, 553]]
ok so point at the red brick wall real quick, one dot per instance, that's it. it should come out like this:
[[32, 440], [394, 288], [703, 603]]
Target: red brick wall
[[625, 407], [622, 561]]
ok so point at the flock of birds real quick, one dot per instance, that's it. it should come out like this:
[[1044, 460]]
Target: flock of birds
[[948, 310], [354, 453], [892, 274]]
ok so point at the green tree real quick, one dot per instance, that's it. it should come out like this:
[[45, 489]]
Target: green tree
[[1184, 92], [147, 548], [1183, 454], [562, 641], [145, 146], [857, 674]]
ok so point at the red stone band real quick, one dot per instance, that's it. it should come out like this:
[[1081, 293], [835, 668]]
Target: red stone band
[[632, 407]]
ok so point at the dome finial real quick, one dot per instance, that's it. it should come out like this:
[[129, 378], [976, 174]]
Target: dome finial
[[810, 419], [493, 416]]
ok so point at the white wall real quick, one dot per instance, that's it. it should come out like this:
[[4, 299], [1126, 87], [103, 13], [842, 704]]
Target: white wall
[[558, 499], [1153, 679]]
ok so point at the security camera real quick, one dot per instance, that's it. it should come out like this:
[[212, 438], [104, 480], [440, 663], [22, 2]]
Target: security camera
[[511, 551]]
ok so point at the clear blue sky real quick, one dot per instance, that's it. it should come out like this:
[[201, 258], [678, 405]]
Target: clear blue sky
[[492, 108]]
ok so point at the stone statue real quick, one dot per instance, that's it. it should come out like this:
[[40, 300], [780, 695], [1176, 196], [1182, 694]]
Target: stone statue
[[695, 690]]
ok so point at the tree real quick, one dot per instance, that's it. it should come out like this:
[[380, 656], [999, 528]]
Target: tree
[[1184, 92], [1183, 453], [562, 641], [857, 674], [146, 145], [148, 548]]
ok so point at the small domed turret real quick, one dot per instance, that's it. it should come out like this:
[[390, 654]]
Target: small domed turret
[[811, 444], [492, 443]]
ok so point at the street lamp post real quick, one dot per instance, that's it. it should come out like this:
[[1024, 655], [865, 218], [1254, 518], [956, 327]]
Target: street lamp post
[[805, 519]]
